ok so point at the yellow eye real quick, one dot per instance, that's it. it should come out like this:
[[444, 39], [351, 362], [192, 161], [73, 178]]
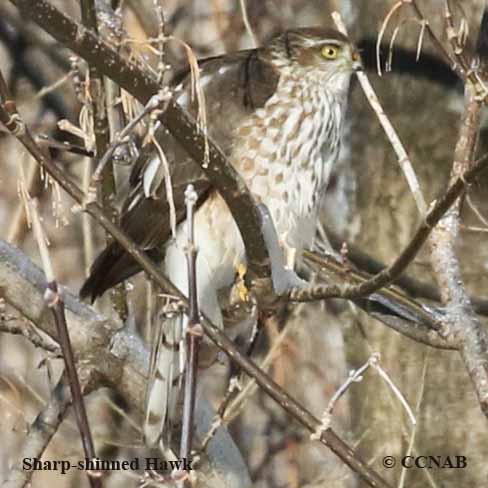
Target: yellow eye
[[330, 52]]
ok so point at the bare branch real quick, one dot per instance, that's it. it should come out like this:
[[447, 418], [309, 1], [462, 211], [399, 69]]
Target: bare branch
[[367, 264], [403, 159], [355, 376], [458, 64], [55, 302], [193, 333], [156, 102], [13, 326], [414, 320]]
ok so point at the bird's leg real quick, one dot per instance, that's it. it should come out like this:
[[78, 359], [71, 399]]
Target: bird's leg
[[289, 252], [283, 275]]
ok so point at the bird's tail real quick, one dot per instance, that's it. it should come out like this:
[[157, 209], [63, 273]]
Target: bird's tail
[[165, 378], [113, 265]]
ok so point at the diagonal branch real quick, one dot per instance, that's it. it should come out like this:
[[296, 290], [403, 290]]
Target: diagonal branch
[[402, 155], [414, 320], [366, 263]]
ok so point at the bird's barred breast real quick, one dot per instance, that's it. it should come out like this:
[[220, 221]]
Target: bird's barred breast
[[285, 152]]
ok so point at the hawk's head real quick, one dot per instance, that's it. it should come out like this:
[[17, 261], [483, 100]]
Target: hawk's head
[[323, 53]]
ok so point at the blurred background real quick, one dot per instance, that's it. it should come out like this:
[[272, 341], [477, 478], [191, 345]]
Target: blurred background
[[368, 204]]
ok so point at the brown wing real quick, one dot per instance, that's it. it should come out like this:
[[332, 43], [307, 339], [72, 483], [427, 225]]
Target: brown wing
[[234, 86]]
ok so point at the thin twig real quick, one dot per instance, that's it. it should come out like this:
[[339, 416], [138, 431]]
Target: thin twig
[[193, 332], [403, 159], [31, 183], [376, 365], [98, 107], [458, 65], [396, 7], [163, 161], [18, 327], [237, 395], [455, 40], [156, 102], [55, 302], [97, 98], [434, 39], [477, 212], [161, 39], [355, 376], [247, 24], [54, 86], [87, 224], [413, 435], [389, 62]]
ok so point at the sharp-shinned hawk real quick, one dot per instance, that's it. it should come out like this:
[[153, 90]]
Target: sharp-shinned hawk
[[277, 113]]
